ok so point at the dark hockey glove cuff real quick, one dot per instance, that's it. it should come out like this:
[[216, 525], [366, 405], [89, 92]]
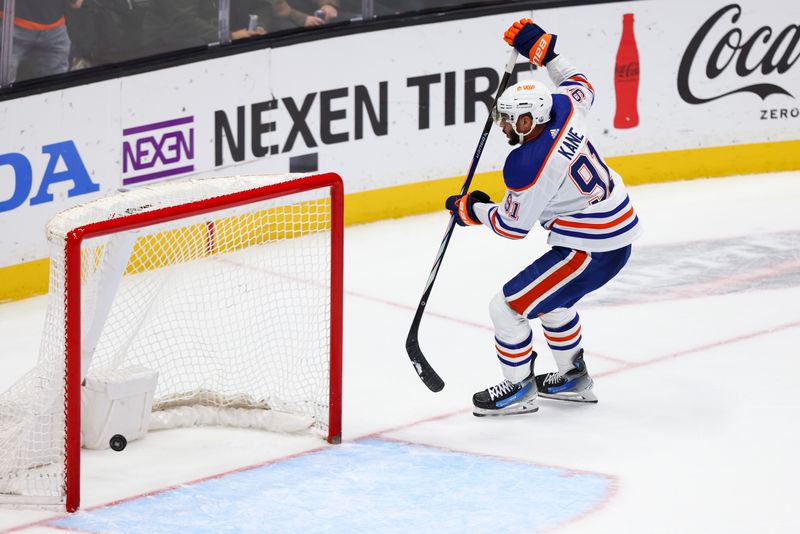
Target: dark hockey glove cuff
[[462, 207], [532, 41]]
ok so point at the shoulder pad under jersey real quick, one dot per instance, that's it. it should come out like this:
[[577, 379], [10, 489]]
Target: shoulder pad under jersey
[[525, 163]]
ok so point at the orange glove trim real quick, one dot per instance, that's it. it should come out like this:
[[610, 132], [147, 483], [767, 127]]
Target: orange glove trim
[[514, 29], [463, 212], [539, 50]]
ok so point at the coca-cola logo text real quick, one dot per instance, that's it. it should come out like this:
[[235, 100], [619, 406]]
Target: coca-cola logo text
[[737, 51], [629, 70]]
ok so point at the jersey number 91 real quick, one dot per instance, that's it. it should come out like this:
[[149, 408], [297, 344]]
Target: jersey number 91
[[590, 175]]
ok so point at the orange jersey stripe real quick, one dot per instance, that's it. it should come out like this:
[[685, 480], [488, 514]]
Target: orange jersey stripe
[[521, 304], [509, 355], [499, 230], [562, 339], [550, 153], [31, 25], [581, 79], [598, 226]]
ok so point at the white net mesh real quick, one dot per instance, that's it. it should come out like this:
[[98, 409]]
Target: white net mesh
[[231, 308]]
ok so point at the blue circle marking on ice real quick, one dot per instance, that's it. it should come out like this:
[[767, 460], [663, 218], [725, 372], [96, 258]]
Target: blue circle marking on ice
[[366, 486]]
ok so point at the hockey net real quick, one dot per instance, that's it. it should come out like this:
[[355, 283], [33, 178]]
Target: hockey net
[[228, 288]]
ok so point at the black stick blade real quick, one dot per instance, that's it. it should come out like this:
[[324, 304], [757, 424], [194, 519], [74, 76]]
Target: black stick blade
[[421, 365]]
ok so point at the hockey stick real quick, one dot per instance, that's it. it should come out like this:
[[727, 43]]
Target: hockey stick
[[426, 373]]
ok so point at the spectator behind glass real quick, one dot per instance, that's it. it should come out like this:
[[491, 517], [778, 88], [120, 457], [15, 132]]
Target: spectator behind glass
[[298, 14], [106, 31], [351, 9], [394, 7], [176, 24], [41, 43], [242, 10]]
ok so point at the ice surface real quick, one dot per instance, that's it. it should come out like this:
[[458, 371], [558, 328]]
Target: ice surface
[[693, 348], [367, 486]]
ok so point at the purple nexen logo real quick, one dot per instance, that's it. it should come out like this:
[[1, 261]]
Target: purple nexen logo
[[157, 150]]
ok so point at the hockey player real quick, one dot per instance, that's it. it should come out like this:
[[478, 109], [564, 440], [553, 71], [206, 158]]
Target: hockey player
[[555, 176]]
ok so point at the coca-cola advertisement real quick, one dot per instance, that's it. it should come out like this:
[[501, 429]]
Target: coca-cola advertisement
[[715, 73], [730, 54], [626, 77]]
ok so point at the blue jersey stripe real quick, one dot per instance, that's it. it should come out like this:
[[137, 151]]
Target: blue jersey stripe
[[570, 325], [509, 228], [603, 214], [516, 345], [597, 236], [566, 347], [573, 83], [495, 230], [507, 236], [515, 364]]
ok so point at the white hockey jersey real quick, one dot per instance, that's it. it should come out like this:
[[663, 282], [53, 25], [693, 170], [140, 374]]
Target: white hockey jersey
[[560, 180]]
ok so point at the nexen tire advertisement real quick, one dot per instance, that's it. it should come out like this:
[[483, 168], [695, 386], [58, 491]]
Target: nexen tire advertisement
[[399, 106]]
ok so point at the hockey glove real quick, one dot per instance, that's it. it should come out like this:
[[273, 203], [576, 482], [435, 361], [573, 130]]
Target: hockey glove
[[531, 41], [461, 207]]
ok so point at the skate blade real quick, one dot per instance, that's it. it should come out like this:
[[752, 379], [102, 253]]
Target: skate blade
[[515, 410], [583, 396]]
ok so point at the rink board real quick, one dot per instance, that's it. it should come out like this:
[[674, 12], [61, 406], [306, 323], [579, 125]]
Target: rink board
[[402, 132], [366, 486]]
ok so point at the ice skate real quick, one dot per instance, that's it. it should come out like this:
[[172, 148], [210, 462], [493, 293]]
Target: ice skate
[[507, 398], [575, 385]]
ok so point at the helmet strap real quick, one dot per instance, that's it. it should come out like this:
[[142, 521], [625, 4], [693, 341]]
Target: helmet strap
[[521, 135]]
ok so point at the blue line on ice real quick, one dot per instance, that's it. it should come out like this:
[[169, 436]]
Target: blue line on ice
[[366, 486]]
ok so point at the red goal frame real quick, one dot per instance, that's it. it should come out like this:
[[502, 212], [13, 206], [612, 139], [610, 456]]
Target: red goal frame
[[72, 287]]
